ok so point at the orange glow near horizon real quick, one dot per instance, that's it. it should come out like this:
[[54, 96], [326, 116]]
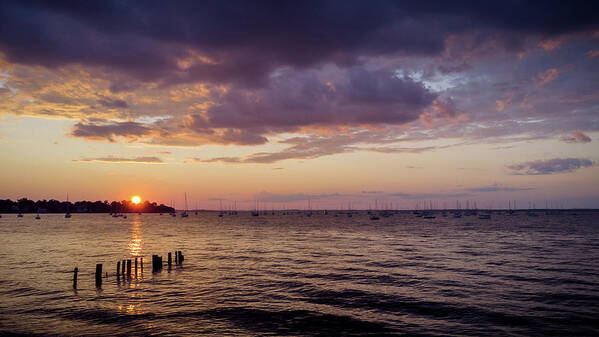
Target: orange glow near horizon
[[136, 199]]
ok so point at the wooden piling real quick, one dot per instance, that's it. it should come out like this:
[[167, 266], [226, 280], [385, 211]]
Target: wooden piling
[[128, 267], [170, 259], [176, 257], [98, 275], [141, 260], [135, 267], [118, 268], [156, 263], [123, 268], [75, 271]]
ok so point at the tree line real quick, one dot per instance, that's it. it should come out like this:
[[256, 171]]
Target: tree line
[[25, 205]]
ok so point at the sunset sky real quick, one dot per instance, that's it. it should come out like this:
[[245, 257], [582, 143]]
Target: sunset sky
[[332, 101]]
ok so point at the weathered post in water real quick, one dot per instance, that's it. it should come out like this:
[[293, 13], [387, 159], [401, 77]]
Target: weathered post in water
[[123, 268], [75, 271], [135, 267], [141, 260], [170, 259], [118, 268], [156, 263], [176, 257], [98, 275], [128, 268]]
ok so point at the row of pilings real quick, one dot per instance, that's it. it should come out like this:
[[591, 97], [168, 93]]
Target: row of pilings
[[125, 267]]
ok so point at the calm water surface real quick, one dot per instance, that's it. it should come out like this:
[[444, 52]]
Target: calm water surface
[[303, 276]]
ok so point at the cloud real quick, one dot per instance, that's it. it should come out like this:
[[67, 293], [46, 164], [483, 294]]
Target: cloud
[[498, 188], [431, 195], [298, 99], [107, 131], [218, 160], [191, 41], [330, 79], [271, 197], [551, 44], [593, 53], [547, 76], [315, 146], [300, 148], [112, 159], [113, 103], [576, 136], [550, 166]]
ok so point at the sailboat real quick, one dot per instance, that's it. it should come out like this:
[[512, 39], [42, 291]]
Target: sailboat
[[256, 212], [220, 213], [373, 215], [174, 212], [184, 214], [37, 217], [67, 214]]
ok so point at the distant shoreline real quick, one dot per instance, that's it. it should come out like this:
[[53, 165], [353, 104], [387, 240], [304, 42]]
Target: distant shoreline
[[25, 205], [538, 210]]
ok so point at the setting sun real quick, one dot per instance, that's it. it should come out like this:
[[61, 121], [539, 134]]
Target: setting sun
[[136, 199]]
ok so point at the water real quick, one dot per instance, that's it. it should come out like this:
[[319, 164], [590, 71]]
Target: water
[[303, 276]]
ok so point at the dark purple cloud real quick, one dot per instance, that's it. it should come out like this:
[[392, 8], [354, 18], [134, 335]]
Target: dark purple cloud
[[550, 166], [245, 41], [295, 99]]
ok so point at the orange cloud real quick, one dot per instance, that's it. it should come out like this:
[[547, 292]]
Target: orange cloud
[[547, 76], [500, 105], [593, 54], [551, 44]]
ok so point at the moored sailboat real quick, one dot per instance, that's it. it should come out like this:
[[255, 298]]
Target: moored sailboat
[[184, 213]]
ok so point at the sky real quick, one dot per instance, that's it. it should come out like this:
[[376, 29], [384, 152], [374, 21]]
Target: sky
[[335, 102]]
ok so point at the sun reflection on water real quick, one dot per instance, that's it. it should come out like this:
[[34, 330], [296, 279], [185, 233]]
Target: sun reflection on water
[[130, 309], [135, 245]]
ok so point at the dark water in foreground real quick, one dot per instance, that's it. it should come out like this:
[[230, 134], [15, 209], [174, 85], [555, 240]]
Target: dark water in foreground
[[303, 276]]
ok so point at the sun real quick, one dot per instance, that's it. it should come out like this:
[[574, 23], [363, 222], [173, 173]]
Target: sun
[[136, 199]]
